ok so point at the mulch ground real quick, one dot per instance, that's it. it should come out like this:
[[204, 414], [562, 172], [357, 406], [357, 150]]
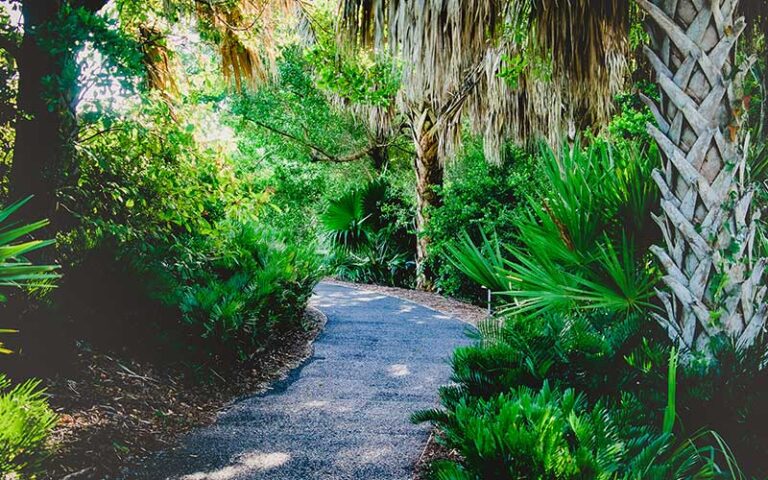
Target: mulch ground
[[432, 451], [116, 411]]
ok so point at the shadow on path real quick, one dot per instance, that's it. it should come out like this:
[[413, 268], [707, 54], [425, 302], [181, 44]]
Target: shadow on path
[[345, 413]]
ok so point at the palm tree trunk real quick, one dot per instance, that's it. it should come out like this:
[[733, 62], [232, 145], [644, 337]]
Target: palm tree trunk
[[429, 175], [715, 284]]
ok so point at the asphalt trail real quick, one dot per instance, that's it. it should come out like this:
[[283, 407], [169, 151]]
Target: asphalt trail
[[342, 415]]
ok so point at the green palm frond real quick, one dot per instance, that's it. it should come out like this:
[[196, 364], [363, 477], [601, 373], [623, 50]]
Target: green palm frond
[[582, 247], [15, 270], [345, 221], [482, 264]]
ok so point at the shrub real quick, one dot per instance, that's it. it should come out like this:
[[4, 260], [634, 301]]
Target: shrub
[[193, 230], [25, 423], [586, 352], [583, 245], [237, 286], [367, 241], [479, 198], [548, 433]]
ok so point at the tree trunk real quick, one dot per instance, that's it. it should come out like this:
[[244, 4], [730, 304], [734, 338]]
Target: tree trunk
[[715, 284], [429, 174], [762, 129], [46, 129], [380, 156], [38, 146]]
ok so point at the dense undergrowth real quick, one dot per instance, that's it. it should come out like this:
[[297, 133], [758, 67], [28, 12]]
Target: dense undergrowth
[[572, 377], [207, 176]]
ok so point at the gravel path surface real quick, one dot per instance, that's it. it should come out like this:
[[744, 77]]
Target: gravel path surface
[[466, 312], [345, 413]]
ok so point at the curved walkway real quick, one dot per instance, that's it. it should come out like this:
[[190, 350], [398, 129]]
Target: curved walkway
[[345, 413]]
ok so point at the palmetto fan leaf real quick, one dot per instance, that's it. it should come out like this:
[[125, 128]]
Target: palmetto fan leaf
[[483, 264], [14, 270], [578, 248], [345, 220]]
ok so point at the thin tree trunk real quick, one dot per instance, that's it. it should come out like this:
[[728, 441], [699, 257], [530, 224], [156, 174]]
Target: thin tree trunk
[[429, 174], [715, 284], [762, 130], [380, 156]]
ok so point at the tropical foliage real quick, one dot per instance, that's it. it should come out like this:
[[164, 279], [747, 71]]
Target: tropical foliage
[[597, 166], [583, 243], [26, 420], [25, 423], [15, 271], [367, 241], [552, 434]]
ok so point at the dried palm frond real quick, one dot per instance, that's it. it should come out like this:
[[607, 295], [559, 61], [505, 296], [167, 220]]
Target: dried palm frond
[[587, 41], [574, 56], [247, 36], [442, 43]]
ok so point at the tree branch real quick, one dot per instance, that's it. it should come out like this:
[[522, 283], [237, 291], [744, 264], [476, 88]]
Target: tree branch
[[317, 153]]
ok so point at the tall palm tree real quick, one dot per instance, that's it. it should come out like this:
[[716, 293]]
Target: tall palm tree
[[452, 52], [707, 220], [441, 44]]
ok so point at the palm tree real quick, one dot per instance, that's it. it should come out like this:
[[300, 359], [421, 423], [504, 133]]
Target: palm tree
[[707, 220], [442, 44], [451, 53]]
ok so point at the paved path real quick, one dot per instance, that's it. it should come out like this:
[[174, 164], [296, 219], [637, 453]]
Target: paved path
[[345, 413]]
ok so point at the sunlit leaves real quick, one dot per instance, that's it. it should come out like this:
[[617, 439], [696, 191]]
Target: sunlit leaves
[[583, 244]]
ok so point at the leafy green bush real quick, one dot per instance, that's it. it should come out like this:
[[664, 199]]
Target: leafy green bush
[[237, 286], [367, 244], [629, 125], [548, 433], [479, 199], [586, 352], [194, 229], [25, 423], [621, 362], [584, 244]]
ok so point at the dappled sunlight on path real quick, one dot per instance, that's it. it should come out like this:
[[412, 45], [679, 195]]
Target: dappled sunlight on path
[[248, 463], [345, 413]]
